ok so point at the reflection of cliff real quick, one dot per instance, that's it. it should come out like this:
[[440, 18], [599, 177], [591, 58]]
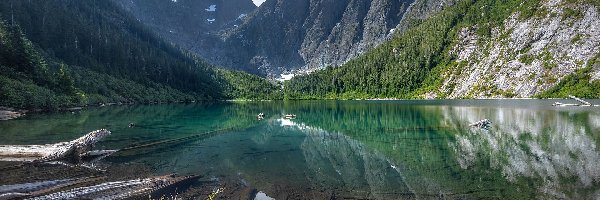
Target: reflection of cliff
[[338, 161], [554, 150]]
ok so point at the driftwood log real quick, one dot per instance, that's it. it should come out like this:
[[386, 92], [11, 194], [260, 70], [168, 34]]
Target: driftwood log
[[26, 190], [73, 150], [137, 188], [583, 103]]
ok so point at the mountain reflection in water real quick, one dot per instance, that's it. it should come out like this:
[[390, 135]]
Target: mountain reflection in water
[[351, 149], [547, 146]]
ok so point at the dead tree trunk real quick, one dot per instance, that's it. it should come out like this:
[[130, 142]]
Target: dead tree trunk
[[138, 188], [48, 152]]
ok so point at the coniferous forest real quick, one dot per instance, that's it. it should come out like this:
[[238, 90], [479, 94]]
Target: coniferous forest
[[69, 53]]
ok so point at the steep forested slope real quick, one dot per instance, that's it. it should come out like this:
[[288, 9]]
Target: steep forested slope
[[67, 52], [477, 48], [193, 25]]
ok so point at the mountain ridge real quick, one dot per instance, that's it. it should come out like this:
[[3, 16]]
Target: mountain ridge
[[301, 36], [441, 57]]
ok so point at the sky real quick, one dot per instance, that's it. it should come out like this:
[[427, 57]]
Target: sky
[[258, 2]]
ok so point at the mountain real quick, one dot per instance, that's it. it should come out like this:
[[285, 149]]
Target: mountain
[[193, 25], [286, 35], [62, 53], [282, 36], [476, 49]]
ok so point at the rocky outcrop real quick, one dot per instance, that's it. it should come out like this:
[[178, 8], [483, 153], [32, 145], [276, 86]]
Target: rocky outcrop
[[524, 57], [193, 25], [311, 34], [281, 36]]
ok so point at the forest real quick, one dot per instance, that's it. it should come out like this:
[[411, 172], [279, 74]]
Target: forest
[[63, 53]]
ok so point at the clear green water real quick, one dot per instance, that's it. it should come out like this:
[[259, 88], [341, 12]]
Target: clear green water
[[352, 149]]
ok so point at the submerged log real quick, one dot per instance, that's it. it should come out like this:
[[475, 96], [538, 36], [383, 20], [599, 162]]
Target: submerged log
[[73, 150], [583, 103], [26, 190], [137, 188]]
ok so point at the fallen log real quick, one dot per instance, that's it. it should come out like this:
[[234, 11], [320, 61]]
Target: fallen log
[[580, 100], [9, 113], [73, 150], [583, 103], [136, 188], [25, 190]]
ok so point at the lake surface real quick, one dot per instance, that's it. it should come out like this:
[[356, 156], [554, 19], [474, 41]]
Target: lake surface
[[348, 149]]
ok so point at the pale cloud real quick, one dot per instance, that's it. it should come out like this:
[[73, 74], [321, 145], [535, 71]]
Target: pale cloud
[[258, 2]]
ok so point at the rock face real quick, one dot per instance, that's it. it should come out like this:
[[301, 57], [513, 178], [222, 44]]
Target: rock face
[[192, 25], [305, 35], [281, 35], [525, 56]]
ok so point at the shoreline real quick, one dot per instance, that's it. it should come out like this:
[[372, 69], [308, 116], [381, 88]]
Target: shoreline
[[8, 113]]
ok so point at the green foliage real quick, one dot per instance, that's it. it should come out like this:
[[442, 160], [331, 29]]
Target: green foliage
[[100, 36], [547, 60], [92, 52], [576, 38], [243, 86], [569, 13], [594, 3], [578, 84], [526, 59], [413, 62], [26, 95]]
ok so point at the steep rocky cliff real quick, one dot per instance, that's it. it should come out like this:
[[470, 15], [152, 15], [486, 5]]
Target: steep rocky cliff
[[526, 55], [475, 49], [280, 36], [309, 34], [193, 25]]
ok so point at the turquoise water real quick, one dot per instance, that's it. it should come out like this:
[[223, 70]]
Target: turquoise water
[[351, 149]]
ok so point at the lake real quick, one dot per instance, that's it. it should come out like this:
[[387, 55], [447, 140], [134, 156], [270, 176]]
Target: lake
[[339, 149]]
